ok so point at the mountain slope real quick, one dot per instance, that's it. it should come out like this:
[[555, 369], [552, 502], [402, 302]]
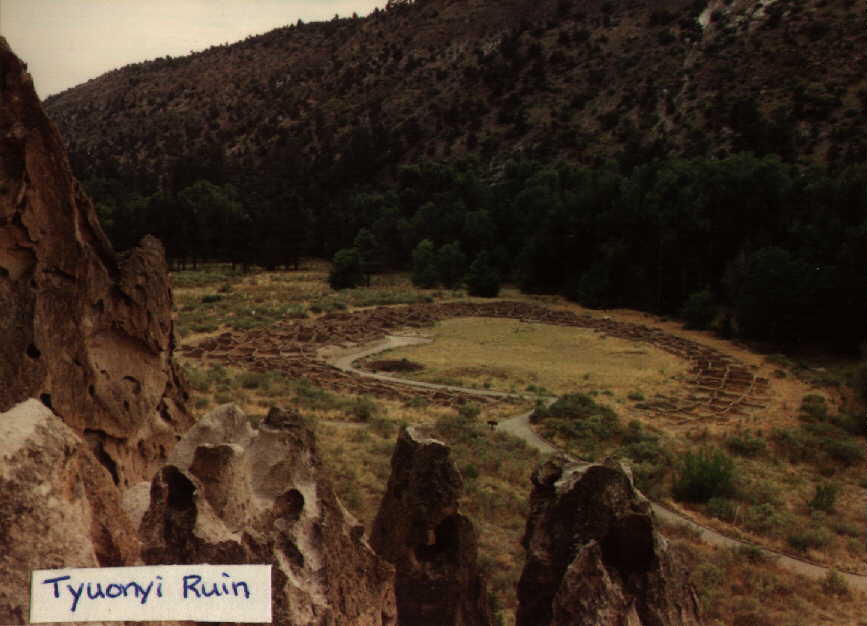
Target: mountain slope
[[347, 100]]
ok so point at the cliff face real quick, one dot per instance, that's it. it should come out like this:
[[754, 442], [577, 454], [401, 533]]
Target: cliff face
[[594, 557], [432, 546], [86, 331], [235, 493]]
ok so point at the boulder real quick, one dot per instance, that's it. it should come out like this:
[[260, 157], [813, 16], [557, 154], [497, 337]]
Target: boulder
[[594, 555], [234, 492], [85, 330], [432, 545], [58, 506]]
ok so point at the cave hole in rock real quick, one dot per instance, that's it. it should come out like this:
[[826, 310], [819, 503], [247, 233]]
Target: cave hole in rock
[[33, 352], [181, 490], [134, 383], [4, 273], [628, 546], [289, 505], [45, 398], [95, 439], [446, 537]]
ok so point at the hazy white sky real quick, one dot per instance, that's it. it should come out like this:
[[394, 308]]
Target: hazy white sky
[[66, 42]]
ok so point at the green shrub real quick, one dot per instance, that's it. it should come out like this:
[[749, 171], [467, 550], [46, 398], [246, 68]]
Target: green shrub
[[745, 444], [211, 298], [251, 380], [814, 408], [703, 475], [202, 403], [363, 409], [383, 427], [346, 269], [636, 396], [646, 451], [824, 498], [722, 508], [852, 424], [197, 379], [482, 278], [469, 411], [802, 539], [834, 585], [793, 444], [576, 405], [765, 518], [650, 477], [470, 472], [310, 396], [755, 490], [451, 265], [846, 452], [699, 309], [709, 580], [424, 268], [219, 376]]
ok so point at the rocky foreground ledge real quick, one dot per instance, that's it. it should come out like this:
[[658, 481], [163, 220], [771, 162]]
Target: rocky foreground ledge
[[594, 555], [434, 548]]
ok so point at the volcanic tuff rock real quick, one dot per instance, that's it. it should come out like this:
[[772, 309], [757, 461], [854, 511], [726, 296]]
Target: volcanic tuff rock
[[85, 330], [236, 493], [593, 555], [433, 547], [58, 506]]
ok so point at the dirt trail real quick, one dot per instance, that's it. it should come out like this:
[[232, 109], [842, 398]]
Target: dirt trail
[[519, 426]]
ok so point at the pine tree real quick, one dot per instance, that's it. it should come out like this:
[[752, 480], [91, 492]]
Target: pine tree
[[424, 270], [451, 265], [346, 270], [483, 279]]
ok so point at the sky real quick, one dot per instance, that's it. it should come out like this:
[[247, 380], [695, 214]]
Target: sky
[[67, 42]]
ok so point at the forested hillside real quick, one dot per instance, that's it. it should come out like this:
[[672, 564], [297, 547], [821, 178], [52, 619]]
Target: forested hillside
[[693, 157]]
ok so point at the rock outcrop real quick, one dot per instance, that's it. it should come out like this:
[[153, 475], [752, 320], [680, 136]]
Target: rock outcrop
[[58, 506], [236, 493], [83, 329], [432, 546], [593, 555]]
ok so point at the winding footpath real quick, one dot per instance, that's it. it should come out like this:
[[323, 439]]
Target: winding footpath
[[519, 426]]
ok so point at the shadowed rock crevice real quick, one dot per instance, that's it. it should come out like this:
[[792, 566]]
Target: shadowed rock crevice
[[594, 556], [432, 546]]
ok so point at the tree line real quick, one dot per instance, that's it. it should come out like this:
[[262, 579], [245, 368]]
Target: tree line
[[751, 246]]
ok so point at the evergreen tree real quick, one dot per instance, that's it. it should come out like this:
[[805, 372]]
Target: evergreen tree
[[483, 279], [369, 253], [424, 269], [451, 265], [346, 269]]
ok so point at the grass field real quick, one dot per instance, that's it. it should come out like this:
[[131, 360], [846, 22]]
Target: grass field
[[510, 355]]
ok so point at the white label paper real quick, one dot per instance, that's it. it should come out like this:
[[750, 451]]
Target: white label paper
[[203, 593]]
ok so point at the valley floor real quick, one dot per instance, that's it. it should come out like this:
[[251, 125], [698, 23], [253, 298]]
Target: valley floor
[[286, 338]]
